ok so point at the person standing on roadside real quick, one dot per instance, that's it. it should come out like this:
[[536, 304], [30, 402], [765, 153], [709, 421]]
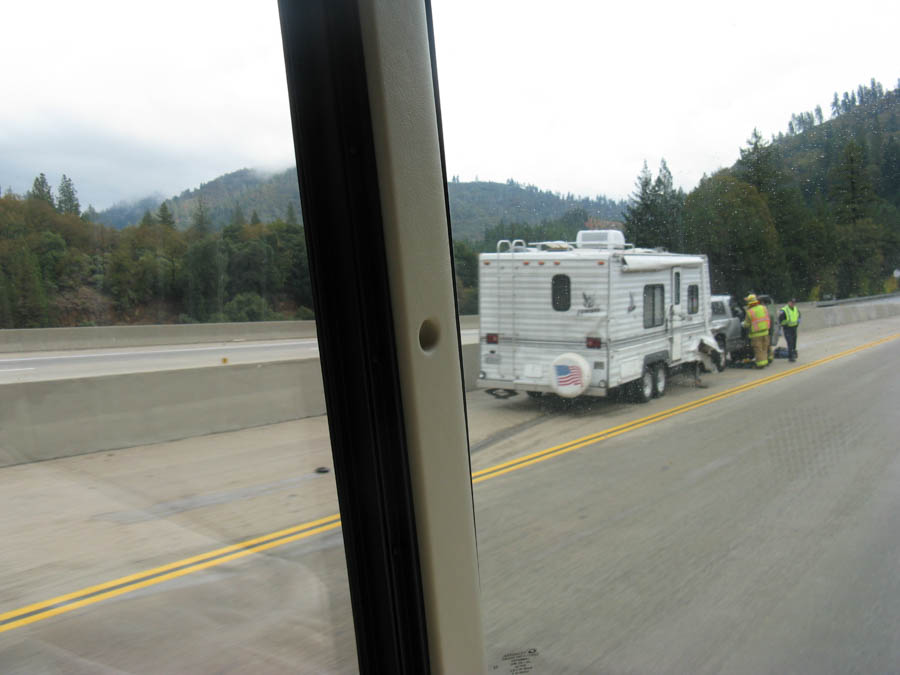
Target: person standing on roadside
[[789, 318], [757, 322]]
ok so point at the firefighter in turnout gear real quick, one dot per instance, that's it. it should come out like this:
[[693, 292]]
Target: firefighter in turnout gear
[[757, 323], [789, 318]]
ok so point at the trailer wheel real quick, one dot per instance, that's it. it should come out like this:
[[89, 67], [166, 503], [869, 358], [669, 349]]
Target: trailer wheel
[[660, 379], [642, 389], [534, 394]]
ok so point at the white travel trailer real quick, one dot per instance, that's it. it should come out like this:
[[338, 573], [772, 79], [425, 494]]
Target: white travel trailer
[[586, 318]]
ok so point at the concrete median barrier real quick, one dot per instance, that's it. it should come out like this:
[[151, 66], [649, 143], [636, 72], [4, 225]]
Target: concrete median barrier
[[18, 340], [60, 418], [110, 337]]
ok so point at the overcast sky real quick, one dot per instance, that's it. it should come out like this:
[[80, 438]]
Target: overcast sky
[[129, 99]]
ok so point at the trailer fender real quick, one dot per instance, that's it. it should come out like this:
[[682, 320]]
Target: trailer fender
[[571, 375], [656, 357]]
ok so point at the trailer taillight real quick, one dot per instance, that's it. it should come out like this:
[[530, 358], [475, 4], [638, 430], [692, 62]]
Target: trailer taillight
[[593, 343], [492, 338]]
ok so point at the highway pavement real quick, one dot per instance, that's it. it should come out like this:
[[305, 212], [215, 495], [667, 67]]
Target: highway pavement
[[748, 526]]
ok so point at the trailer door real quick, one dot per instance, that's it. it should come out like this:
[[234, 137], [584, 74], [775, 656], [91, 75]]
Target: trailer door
[[676, 315]]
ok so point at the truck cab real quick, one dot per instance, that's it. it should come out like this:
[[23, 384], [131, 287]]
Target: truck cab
[[726, 316]]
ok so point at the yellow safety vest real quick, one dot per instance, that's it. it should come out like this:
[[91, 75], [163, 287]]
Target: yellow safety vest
[[759, 321], [791, 316]]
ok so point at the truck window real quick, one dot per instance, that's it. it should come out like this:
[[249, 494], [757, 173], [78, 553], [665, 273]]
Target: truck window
[[694, 299], [654, 302], [561, 292]]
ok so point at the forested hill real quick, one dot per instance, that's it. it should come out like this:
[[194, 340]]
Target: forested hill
[[810, 213], [474, 207]]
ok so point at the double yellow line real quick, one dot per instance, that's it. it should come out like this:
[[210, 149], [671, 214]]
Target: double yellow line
[[87, 596], [557, 450]]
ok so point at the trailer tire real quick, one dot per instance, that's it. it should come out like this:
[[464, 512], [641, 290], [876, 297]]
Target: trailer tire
[[642, 389], [660, 379], [534, 394]]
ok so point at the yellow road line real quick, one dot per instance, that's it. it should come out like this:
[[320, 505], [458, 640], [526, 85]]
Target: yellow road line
[[557, 450], [93, 594], [110, 589]]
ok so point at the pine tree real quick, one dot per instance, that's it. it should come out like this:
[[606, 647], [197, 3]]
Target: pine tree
[[853, 191], [164, 216], [90, 214], [254, 218], [6, 317], [67, 202], [29, 301], [200, 224], [41, 190]]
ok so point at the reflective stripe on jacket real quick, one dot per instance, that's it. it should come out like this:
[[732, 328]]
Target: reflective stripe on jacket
[[759, 321], [791, 316]]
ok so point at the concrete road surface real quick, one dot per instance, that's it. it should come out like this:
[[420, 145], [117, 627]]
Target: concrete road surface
[[746, 527]]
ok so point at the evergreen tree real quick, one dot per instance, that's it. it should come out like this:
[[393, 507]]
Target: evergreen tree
[[653, 216], [29, 301], [164, 216], [200, 223], [41, 190], [254, 218], [835, 106], [90, 214], [6, 315], [852, 192], [67, 201]]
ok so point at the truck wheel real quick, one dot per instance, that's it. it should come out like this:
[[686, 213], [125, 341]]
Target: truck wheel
[[660, 379], [642, 389]]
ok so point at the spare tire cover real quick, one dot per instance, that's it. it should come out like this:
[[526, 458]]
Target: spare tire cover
[[571, 375]]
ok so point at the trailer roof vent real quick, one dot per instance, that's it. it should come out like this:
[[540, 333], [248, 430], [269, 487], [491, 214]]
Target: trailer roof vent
[[600, 239]]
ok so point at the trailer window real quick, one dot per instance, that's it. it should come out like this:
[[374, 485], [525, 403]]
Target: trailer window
[[654, 297], [677, 291], [561, 292], [694, 299]]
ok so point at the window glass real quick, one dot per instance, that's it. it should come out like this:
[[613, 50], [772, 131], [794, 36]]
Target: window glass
[[694, 299], [166, 482], [677, 291], [654, 306], [680, 515], [561, 292]]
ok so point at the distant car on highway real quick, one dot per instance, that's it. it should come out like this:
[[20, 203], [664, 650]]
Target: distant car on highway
[[725, 319]]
